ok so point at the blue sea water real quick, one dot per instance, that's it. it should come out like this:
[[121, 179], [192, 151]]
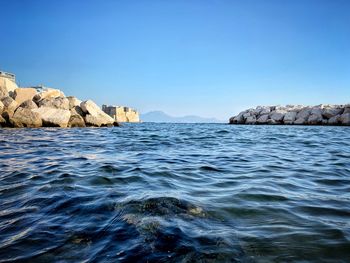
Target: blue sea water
[[175, 193]]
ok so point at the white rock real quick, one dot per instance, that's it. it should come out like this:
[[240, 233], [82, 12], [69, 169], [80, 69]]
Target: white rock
[[94, 115], [52, 117], [289, 117]]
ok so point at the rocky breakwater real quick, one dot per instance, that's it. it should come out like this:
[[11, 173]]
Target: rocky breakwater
[[27, 107], [295, 114]]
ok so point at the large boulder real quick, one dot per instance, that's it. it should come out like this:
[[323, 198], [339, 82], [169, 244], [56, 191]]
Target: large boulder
[[56, 103], [48, 93], [28, 104], [76, 121], [52, 117], [25, 118], [97, 120], [238, 119], [315, 119], [10, 105], [304, 113], [263, 119], [345, 118], [73, 102], [250, 120], [277, 115], [22, 94], [94, 115], [335, 120], [1, 106], [331, 112], [289, 117], [265, 110]]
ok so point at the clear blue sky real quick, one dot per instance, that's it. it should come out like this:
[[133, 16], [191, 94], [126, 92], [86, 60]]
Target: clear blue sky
[[210, 58]]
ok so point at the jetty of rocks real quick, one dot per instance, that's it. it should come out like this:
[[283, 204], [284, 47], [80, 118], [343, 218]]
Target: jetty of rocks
[[295, 115], [46, 107]]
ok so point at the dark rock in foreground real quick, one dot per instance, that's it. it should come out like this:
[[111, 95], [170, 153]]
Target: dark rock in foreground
[[295, 114]]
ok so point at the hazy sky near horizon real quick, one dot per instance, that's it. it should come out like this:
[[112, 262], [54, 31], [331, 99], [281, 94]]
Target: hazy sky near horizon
[[209, 58]]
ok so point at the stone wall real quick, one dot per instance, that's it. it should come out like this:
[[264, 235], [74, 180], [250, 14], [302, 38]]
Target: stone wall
[[122, 114], [295, 114]]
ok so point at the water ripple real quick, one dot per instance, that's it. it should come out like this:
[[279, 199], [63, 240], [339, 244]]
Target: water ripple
[[175, 193]]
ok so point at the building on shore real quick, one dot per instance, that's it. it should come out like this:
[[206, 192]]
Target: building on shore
[[122, 114], [8, 81]]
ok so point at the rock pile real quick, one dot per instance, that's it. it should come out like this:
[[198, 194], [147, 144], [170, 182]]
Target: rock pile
[[26, 107], [295, 114]]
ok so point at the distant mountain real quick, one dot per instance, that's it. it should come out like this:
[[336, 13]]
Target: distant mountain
[[159, 116]]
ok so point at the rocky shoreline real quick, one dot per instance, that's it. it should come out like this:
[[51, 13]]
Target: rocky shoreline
[[29, 107], [295, 115]]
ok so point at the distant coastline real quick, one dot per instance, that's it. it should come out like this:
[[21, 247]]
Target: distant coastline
[[160, 116]]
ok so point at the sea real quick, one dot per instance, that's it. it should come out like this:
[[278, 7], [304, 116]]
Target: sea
[[158, 192]]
